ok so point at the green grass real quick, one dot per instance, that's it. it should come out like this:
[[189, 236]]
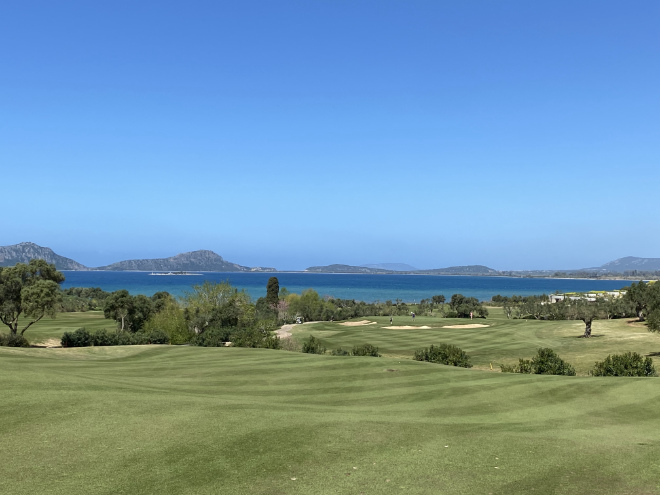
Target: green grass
[[170, 419], [502, 342], [165, 419], [53, 328]]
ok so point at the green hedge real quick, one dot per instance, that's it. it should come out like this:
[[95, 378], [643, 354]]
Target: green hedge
[[83, 338]]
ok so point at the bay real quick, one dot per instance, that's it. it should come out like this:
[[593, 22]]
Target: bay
[[361, 287]]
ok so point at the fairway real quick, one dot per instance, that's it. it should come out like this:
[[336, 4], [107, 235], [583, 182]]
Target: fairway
[[502, 341], [167, 419]]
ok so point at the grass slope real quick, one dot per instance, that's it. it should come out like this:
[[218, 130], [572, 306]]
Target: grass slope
[[53, 328], [161, 419], [503, 341]]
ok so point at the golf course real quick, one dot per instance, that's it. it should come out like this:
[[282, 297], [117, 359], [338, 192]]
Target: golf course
[[184, 419]]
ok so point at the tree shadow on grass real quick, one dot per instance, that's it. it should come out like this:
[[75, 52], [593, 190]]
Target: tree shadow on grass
[[653, 354]]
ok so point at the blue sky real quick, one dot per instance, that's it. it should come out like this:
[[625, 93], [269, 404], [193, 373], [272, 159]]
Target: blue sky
[[514, 134]]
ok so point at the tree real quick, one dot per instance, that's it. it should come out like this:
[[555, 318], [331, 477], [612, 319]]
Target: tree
[[644, 297], [272, 292], [463, 306], [587, 311], [212, 305], [31, 291], [119, 307]]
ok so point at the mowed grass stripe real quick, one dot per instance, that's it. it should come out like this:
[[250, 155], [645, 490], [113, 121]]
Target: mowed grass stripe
[[189, 420]]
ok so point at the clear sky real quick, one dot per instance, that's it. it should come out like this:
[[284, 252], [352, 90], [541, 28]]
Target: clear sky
[[512, 133]]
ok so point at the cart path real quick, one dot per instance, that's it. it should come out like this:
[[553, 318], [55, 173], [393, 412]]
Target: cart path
[[285, 330]]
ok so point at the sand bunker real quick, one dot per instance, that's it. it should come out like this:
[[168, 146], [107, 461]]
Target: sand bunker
[[357, 323], [471, 325], [407, 327], [50, 343]]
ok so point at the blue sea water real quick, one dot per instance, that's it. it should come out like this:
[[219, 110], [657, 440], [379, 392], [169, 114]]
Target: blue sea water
[[369, 288]]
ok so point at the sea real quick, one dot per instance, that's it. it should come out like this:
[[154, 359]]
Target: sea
[[361, 287]]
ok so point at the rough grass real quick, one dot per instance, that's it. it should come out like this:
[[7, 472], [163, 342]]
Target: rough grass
[[503, 342], [163, 419]]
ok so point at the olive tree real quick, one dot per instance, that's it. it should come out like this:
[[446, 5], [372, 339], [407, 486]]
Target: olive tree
[[30, 291]]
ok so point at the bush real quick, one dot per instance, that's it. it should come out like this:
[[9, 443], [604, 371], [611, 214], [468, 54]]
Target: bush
[[158, 337], [255, 337], [79, 338], [444, 354], [313, 346], [214, 337], [628, 364], [290, 344], [524, 366], [546, 362], [82, 338], [365, 350], [103, 337], [340, 352], [13, 340]]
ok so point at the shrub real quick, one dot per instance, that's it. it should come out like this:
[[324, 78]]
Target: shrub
[[340, 352], [79, 338], [103, 337], [444, 354], [313, 346], [451, 314], [290, 344], [628, 364], [255, 337], [82, 338], [213, 337], [158, 337], [13, 340], [365, 350], [546, 362]]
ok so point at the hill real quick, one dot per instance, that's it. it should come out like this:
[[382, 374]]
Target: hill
[[461, 270], [337, 268], [452, 270], [395, 267], [631, 263], [200, 261], [26, 251]]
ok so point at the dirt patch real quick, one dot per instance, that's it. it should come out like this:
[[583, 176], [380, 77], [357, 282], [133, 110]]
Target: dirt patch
[[470, 325], [49, 343], [357, 323], [285, 330], [407, 327]]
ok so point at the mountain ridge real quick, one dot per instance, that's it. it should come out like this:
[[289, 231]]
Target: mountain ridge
[[209, 261], [25, 251]]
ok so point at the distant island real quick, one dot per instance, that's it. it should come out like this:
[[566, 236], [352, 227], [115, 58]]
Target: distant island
[[208, 261], [194, 261], [174, 273]]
